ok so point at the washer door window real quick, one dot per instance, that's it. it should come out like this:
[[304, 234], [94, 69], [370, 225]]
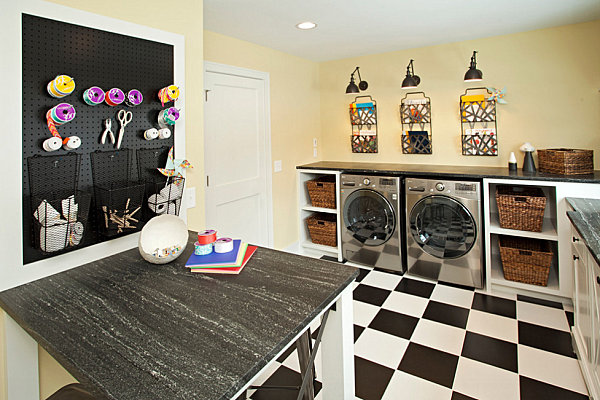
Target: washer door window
[[369, 216], [442, 226]]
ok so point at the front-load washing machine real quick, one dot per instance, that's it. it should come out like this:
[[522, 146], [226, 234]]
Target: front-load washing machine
[[371, 224], [444, 235]]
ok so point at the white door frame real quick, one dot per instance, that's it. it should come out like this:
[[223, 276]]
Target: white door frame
[[264, 77]]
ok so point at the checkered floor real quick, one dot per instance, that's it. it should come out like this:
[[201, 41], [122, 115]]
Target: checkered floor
[[419, 340]]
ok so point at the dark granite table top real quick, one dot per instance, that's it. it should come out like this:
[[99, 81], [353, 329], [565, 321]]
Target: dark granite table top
[[128, 329], [449, 171], [586, 219]]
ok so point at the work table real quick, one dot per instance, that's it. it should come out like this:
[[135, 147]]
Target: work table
[[128, 329], [448, 171], [586, 219]]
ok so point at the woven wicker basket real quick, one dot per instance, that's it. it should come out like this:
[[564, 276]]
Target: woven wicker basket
[[566, 161], [322, 229], [525, 260], [521, 208], [322, 191]]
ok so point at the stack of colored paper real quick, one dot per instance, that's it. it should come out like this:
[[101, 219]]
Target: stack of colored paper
[[222, 263]]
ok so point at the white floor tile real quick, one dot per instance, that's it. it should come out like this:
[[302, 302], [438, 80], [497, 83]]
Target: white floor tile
[[493, 325], [363, 312], [380, 348], [382, 280], [458, 297], [485, 382], [406, 304], [439, 336], [407, 386], [551, 368], [540, 315]]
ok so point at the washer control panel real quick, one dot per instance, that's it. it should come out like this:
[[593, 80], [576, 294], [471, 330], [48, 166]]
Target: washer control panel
[[440, 187]]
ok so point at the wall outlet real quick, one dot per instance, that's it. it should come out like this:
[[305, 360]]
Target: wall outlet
[[277, 166], [190, 197], [314, 152], [314, 142]]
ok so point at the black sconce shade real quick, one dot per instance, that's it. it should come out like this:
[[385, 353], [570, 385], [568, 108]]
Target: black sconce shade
[[473, 74], [411, 80], [362, 85]]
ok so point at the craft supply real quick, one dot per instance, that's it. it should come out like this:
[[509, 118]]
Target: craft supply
[[172, 191], [168, 116], [134, 98], [167, 94], [232, 259], [69, 208], [228, 270], [46, 214], [158, 203], [223, 245], [107, 131], [174, 167], [61, 113], [53, 238], [61, 86], [151, 134], [75, 233], [163, 239], [114, 97], [123, 221], [202, 249], [512, 162], [71, 143], [52, 144], [124, 118], [164, 133], [93, 96], [208, 236]]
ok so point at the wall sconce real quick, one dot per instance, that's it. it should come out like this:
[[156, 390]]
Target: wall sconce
[[473, 74], [411, 81], [362, 85]]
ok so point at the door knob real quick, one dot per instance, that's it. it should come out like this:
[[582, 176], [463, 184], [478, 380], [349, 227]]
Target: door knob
[[575, 258], [575, 239]]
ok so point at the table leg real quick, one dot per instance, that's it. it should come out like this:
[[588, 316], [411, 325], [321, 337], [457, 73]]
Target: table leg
[[304, 353], [338, 350], [22, 371]]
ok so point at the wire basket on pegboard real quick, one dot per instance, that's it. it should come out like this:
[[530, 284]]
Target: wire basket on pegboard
[[61, 170], [60, 220]]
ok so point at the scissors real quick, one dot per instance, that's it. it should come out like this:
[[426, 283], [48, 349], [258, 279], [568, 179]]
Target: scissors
[[107, 131], [124, 118]]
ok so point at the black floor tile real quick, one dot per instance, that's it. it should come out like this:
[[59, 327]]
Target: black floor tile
[[361, 274], [282, 377], [447, 314], [536, 390], [490, 351], [456, 285], [460, 396], [357, 332], [570, 318], [394, 323], [430, 364], [540, 302], [329, 258], [370, 294], [371, 379], [547, 339], [495, 305], [415, 287]]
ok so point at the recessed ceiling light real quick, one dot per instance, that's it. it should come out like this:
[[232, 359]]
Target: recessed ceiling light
[[306, 25]]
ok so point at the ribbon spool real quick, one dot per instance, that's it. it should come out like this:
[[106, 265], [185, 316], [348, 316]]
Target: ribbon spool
[[168, 116], [208, 236], [164, 133], [61, 86], [134, 98], [71, 143], [223, 245], [151, 134], [52, 144], [167, 94], [57, 116], [202, 249], [93, 96], [114, 97], [61, 114]]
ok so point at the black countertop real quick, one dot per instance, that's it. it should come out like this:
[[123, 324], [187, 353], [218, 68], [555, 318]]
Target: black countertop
[[128, 329], [450, 171], [586, 219]]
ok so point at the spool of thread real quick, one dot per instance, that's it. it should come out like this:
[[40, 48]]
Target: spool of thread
[[151, 134], [93, 96], [52, 144], [223, 245], [71, 143], [202, 249], [167, 94], [61, 86], [114, 97], [134, 98], [207, 237], [164, 133], [158, 203], [168, 116]]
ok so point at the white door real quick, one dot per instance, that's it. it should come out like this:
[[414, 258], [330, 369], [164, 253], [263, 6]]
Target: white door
[[237, 154]]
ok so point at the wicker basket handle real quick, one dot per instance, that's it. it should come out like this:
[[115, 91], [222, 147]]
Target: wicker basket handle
[[320, 222], [319, 184], [521, 199], [524, 252]]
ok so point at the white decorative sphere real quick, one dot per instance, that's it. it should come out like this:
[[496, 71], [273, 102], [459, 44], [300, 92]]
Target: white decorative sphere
[[163, 239]]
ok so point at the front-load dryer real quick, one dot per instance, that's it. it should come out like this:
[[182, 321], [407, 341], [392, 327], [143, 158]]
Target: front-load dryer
[[371, 224]]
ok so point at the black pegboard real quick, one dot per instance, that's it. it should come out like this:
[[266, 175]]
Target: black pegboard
[[93, 58]]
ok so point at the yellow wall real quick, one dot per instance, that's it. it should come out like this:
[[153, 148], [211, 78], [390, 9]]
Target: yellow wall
[[552, 78], [295, 121]]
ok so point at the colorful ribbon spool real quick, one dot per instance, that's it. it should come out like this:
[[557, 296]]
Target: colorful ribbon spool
[[134, 98], [93, 96], [114, 97], [208, 236], [202, 249], [167, 94], [61, 86], [62, 113], [223, 245], [168, 116], [150, 134]]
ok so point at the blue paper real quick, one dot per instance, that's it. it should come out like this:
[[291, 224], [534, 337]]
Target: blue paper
[[216, 259]]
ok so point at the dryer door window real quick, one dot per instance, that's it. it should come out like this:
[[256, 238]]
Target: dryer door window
[[442, 226], [369, 216]]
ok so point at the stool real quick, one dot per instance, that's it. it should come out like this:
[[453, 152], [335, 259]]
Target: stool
[[74, 391]]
